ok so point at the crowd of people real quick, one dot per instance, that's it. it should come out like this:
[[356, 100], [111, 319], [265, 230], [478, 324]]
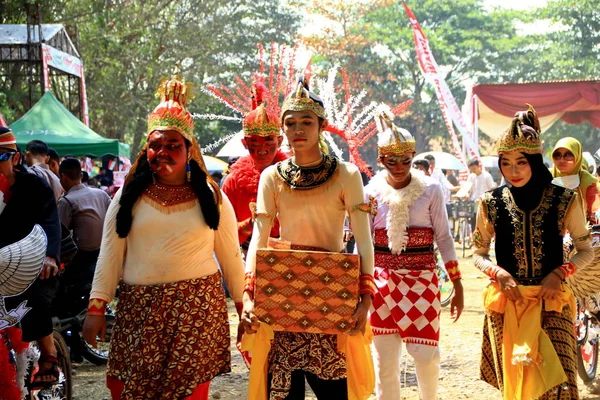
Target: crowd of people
[[38, 190], [172, 233]]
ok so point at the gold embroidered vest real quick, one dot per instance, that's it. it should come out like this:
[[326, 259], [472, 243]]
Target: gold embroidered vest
[[529, 245]]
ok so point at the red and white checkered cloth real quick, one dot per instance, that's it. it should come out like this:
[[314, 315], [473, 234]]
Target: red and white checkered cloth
[[407, 302]]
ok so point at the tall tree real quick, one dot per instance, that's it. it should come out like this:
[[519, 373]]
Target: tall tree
[[128, 46], [465, 38]]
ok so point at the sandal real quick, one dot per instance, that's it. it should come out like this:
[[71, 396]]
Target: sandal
[[48, 367]]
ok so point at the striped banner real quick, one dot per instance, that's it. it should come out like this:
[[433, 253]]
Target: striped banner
[[450, 110]]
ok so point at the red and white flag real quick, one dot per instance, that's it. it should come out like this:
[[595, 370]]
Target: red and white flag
[[87, 164], [450, 110], [125, 164]]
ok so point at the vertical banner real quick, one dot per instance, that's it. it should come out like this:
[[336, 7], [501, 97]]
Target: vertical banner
[[84, 104], [450, 110], [46, 59]]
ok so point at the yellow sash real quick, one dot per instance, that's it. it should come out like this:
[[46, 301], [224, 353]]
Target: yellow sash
[[359, 363], [530, 365]]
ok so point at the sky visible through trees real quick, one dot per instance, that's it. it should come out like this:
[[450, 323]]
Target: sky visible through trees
[[128, 46]]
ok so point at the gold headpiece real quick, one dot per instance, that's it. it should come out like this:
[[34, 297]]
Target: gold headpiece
[[521, 140], [302, 99], [171, 114], [260, 121], [392, 141]]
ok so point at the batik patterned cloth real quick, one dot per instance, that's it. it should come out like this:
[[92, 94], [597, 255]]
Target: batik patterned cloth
[[169, 338], [314, 353], [306, 291]]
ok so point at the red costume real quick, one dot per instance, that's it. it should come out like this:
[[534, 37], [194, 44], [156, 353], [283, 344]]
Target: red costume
[[241, 186]]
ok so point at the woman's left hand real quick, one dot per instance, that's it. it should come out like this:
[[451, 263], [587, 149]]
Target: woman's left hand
[[359, 319], [551, 287]]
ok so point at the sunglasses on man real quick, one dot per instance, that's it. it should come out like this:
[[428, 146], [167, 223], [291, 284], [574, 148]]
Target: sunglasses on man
[[6, 156]]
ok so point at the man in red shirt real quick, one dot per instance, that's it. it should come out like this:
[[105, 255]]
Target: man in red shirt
[[262, 138]]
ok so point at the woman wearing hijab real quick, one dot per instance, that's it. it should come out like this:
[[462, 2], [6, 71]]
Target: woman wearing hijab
[[569, 167], [528, 349]]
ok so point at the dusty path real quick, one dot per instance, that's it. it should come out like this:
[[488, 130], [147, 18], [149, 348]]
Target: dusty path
[[460, 351]]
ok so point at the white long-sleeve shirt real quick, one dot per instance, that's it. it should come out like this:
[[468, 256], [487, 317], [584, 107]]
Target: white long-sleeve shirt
[[427, 211], [167, 247]]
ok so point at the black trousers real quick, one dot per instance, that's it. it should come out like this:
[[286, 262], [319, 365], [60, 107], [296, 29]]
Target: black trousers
[[324, 389], [37, 323], [75, 284], [80, 271]]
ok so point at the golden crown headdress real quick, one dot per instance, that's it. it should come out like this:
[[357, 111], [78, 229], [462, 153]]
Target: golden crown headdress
[[302, 99], [260, 121], [171, 113], [392, 140], [522, 140]]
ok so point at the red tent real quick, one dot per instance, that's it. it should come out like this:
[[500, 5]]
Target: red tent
[[572, 101], [2, 123]]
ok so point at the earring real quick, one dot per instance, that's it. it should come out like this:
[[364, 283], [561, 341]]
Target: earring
[[188, 172]]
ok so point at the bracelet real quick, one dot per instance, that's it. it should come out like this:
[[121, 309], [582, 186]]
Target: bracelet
[[557, 274], [567, 269], [367, 285], [492, 271], [249, 282], [453, 270], [96, 307]]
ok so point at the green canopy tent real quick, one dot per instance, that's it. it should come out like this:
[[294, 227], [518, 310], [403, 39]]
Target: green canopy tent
[[50, 122]]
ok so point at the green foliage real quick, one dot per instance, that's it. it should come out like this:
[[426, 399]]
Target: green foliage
[[128, 46], [466, 41], [469, 43]]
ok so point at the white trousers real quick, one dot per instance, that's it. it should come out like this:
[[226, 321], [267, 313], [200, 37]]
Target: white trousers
[[387, 351]]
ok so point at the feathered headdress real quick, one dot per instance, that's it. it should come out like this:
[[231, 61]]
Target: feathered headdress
[[348, 117], [260, 121], [523, 135], [258, 102]]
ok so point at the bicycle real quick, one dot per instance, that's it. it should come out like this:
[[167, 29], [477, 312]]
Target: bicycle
[[465, 211], [587, 332], [63, 389]]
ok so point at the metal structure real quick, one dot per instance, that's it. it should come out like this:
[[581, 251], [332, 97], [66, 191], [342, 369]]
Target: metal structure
[[22, 65]]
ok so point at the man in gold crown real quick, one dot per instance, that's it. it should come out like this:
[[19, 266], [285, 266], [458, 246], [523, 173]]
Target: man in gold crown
[[410, 215], [262, 138], [529, 345], [171, 335], [311, 194]]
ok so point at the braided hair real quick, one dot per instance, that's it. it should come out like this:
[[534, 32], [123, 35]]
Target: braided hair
[[143, 177]]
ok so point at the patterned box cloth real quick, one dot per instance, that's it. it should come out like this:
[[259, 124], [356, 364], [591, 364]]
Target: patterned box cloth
[[306, 291]]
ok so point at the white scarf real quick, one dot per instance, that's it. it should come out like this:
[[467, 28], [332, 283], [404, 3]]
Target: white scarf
[[398, 202]]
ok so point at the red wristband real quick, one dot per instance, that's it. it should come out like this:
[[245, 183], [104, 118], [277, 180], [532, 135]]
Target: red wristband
[[492, 271], [453, 270], [249, 282], [366, 284], [567, 269], [96, 307]]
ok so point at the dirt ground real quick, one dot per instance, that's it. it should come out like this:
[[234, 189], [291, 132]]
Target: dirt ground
[[460, 353]]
